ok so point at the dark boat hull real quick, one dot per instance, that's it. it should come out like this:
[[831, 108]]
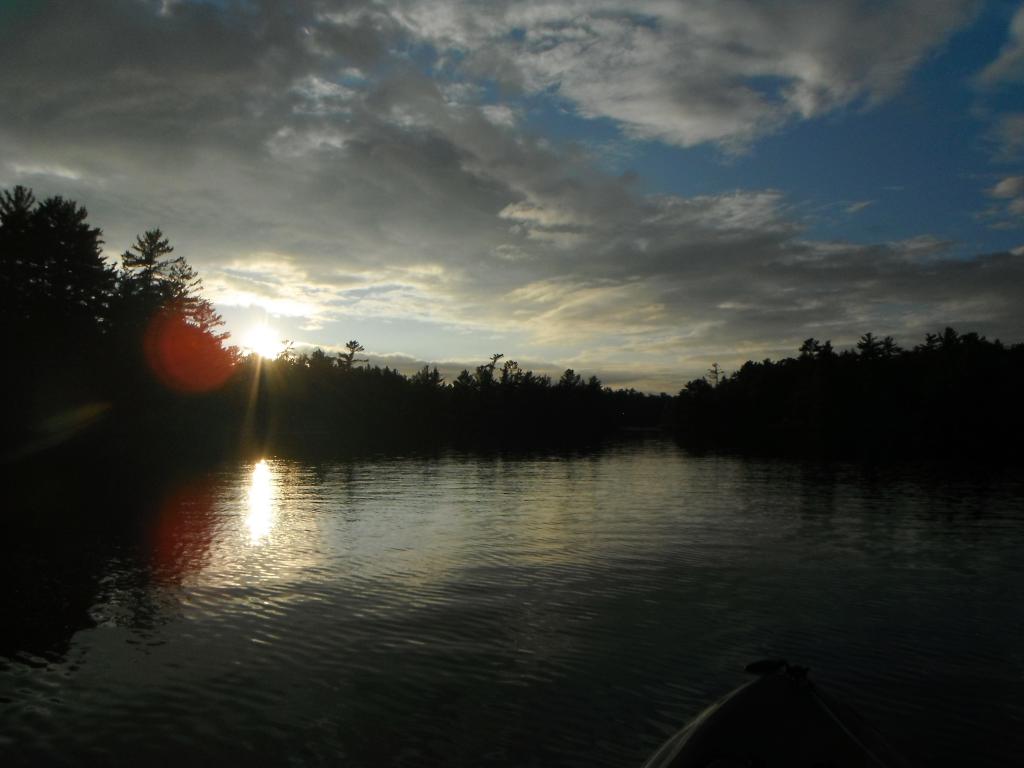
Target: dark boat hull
[[779, 719]]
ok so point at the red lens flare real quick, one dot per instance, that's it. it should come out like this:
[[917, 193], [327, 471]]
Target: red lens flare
[[184, 357], [183, 532]]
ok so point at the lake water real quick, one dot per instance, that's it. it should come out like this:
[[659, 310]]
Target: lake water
[[513, 611]]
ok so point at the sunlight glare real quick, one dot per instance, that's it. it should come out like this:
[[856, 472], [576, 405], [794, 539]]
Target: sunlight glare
[[260, 519], [264, 341]]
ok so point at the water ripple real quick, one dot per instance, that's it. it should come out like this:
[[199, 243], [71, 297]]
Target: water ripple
[[528, 611]]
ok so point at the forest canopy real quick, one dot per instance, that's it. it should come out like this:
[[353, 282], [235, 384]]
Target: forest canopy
[[952, 396]]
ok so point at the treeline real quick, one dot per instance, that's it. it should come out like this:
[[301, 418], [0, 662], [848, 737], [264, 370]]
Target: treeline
[[88, 340], [130, 358], [952, 397], [315, 401]]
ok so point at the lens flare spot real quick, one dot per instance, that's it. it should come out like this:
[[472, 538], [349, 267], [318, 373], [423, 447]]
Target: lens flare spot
[[183, 357]]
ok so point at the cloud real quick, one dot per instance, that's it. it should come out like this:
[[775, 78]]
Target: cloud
[[858, 206], [1007, 136], [1006, 133], [1011, 186], [274, 284], [56, 171], [1008, 66], [500, 114], [1008, 214], [311, 165], [723, 71]]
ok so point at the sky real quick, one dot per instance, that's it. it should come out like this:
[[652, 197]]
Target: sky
[[633, 189]]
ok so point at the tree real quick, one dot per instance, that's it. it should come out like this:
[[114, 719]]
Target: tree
[[869, 347], [715, 375], [16, 209], [949, 339], [147, 260], [696, 387], [427, 378], [318, 360], [154, 281], [570, 380], [810, 349], [348, 358], [52, 270], [200, 312], [511, 374], [485, 372], [890, 348], [18, 266]]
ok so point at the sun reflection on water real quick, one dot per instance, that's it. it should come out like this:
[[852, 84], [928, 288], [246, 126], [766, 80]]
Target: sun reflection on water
[[262, 490]]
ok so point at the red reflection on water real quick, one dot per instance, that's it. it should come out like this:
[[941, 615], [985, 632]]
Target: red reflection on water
[[184, 357], [184, 532]]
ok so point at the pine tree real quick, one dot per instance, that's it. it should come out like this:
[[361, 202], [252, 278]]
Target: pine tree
[[156, 282], [347, 359]]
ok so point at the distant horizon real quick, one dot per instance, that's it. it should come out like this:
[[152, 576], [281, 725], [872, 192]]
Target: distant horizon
[[632, 190], [449, 369]]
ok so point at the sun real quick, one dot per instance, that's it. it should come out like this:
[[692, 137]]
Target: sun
[[264, 341]]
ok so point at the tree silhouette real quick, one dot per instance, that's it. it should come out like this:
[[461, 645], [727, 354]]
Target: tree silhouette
[[869, 347], [148, 260], [810, 349], [485, 372], [53, 277], [19, 271], [427, 378], [140, 343], [570, 380], [347, 359], [511, 374], [877, 401], [889, 347], [154, 280]]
